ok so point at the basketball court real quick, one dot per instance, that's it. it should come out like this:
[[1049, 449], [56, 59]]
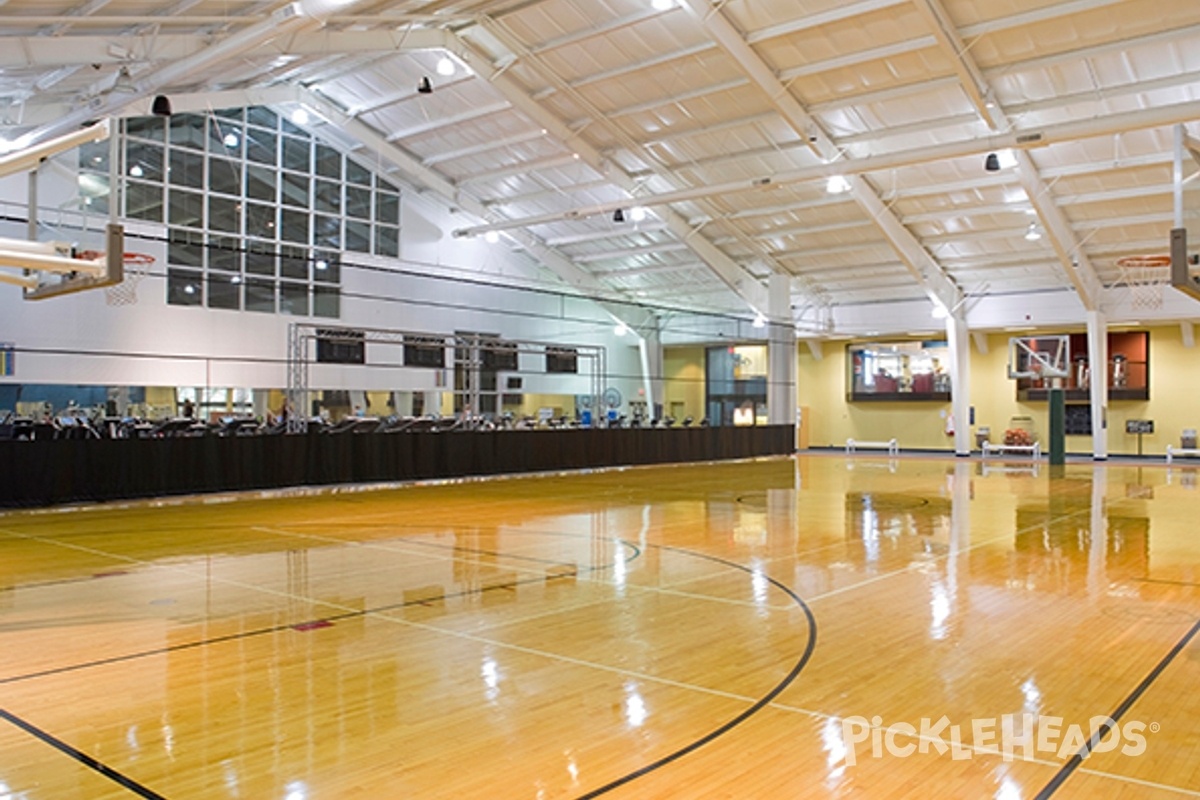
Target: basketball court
[[816, 626], [808, 627]]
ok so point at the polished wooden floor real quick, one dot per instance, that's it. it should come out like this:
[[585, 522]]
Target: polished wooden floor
[[787, 628]]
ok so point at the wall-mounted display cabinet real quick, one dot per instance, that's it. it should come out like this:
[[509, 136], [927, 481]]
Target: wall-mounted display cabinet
[[904, 371], [1127, 373]]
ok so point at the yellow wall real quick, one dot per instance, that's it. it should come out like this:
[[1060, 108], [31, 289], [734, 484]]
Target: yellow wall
[[683, 373], [532, 403], [1173, 401], [160, 401], [1170, 406], [821, 386]]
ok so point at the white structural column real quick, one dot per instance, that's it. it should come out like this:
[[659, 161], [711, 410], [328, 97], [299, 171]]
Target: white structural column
[[402, 403], [781, 353], [959, 338], [1097, 333], [651, 350]]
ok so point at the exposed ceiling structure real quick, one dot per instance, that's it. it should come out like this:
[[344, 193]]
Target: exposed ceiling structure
[[682, 151]]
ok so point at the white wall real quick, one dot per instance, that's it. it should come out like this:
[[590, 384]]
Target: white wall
[[438, 285]]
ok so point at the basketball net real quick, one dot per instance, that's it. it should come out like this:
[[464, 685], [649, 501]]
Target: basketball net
[[125, 292], [1146, 277]]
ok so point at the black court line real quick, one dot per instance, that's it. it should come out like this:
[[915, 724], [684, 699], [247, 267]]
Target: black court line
[[1168, 583], [82, 758], [1076, 760], [759, 704], [510, 585]]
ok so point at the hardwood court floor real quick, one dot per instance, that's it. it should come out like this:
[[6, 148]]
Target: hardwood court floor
[[789, 628]]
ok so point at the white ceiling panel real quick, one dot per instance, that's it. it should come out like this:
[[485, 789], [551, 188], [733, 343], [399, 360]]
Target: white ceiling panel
[[726, 120]]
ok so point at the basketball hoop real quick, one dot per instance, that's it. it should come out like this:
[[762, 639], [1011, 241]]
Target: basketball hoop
[[1037, 379], [125, 292], [1144, 261], [1146, 276]]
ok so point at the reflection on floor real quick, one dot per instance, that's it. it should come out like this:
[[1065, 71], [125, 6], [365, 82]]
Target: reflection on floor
[[791, 628]]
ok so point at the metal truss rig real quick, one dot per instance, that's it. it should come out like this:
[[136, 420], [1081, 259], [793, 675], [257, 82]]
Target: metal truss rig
[[470, 351]]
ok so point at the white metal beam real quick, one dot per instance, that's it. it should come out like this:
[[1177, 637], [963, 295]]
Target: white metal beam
[[922, 265], [1062, 238], [416, 172], [731, 273], [29, 157]]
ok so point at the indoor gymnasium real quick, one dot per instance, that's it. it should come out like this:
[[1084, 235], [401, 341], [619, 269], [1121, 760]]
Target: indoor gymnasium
[[573, 399]]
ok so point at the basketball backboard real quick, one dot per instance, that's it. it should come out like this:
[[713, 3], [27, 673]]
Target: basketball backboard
[[52, 268], [1039, 356], [1185, 240], [72, 244]]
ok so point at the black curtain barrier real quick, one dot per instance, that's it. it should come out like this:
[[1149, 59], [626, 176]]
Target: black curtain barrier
[[53, 472]]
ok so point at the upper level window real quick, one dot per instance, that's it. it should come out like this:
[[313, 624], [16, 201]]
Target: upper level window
[[258, 211]]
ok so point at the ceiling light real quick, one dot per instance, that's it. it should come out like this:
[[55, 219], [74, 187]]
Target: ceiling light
[[230, 140], [759, 321], [662, 5], [637, 213], [300, 116], [425, 87], [837, 184], [618, 216], [939, 311], [322, 8], [161, 106], [136, 171], [620, 329], [445, 67], [992, 163], [1032, 235], [491, 237]]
